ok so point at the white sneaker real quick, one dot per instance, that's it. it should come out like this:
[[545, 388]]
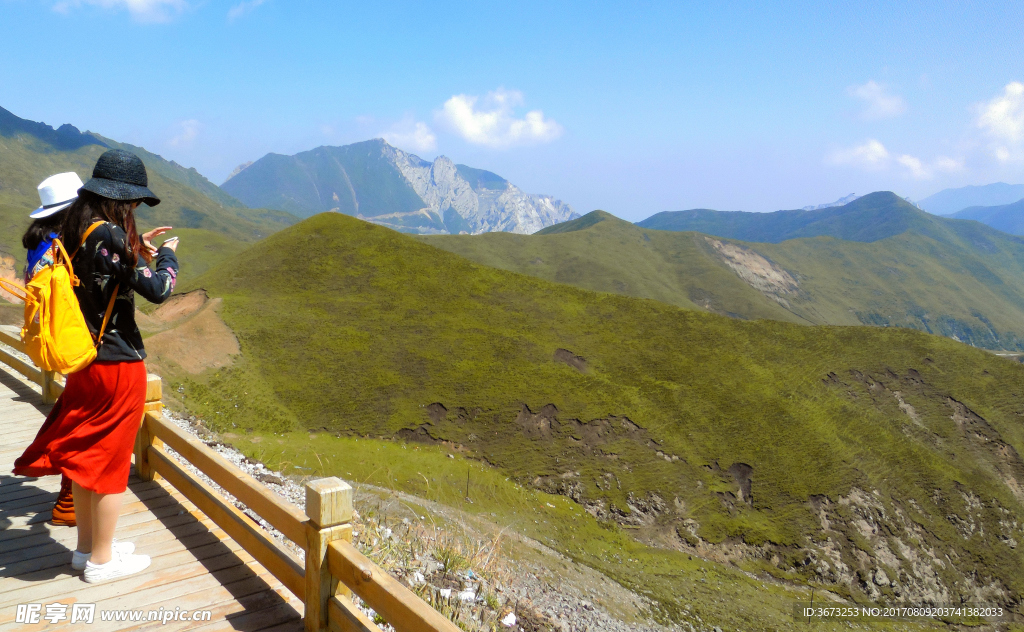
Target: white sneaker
[[120, 565], [78, 559]]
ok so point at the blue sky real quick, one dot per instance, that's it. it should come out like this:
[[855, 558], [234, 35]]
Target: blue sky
[[634, 108]]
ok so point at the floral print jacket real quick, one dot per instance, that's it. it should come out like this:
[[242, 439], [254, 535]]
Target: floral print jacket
[[100, 267]]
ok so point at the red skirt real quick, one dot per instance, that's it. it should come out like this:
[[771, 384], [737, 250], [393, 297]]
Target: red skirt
[[90, 433]]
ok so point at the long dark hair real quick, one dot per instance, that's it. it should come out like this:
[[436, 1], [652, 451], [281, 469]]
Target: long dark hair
[[90, 207], [41, 228]]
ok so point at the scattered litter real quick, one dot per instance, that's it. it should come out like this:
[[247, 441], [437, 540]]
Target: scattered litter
[[467, 595], [509, 620], [550, 505], [446, 592]]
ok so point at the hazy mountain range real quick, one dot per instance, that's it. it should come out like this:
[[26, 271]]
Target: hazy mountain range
[[846, 199], [887, 215], [1008, 218], [950, 201], [374, 181]]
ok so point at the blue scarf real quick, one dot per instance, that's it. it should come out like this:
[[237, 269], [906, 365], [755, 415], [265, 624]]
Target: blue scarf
[[35, 254]]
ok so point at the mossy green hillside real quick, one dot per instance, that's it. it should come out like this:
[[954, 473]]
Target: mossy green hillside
[[603, 253], [691, 589], [909, 269], [676, 420]]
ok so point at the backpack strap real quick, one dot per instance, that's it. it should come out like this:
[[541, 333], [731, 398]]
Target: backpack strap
[[57, 247], [85, 235], [17, 289], [106, 316], [74, 279]]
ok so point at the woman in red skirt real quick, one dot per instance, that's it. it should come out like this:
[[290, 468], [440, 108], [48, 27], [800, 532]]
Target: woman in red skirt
[[90, 433]]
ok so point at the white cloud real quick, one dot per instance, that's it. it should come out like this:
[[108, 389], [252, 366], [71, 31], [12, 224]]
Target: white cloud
[[1002, 119], [140, 10], [878, 104], [491, 121], [242, 8], [915, 166], [869, 155], [187, 132], [947, 164], [873, 156], [920, 170], [411, 135]]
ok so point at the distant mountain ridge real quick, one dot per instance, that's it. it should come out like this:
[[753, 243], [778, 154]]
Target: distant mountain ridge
[[212, 225], [868, 218], [188, 176], [1008, 218], [66, 137], [840, 202], [383, 184], [951, 201]]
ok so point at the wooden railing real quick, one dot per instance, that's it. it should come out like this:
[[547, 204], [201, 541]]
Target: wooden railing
[[333, 569], [51, 388]]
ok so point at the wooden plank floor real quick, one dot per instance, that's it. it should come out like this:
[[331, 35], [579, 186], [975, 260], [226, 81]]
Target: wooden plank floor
[[195, 564]]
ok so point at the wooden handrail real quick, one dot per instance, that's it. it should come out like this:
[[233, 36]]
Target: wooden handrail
[[343, 616], [250, 535], [21, 366], [401, 607], [283, 515], [11, 336], [324, 530]]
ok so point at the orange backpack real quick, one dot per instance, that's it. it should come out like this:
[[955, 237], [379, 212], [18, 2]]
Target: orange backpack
[[55, 334]]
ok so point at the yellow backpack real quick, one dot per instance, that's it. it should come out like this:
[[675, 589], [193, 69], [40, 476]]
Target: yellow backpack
[[55, 334]]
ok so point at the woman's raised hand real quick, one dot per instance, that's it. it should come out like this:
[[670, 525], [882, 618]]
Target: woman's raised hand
[[147, 238]]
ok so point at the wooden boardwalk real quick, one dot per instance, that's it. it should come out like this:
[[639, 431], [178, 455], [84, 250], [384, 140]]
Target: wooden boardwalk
[[196, 566]]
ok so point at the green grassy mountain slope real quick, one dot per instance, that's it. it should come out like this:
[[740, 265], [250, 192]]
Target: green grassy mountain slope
[[603, 253], [1008, 218], [955, 278], [209, 230], [869, 218], [825, 454]]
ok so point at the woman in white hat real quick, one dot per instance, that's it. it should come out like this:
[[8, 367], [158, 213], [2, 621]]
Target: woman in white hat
[[56, 193]]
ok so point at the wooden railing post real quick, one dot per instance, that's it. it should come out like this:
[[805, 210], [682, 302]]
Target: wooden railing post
[[145, 438], [329, 507], [47, 384]]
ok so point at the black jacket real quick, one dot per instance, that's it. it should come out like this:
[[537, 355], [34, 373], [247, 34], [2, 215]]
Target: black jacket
[[100, 266]]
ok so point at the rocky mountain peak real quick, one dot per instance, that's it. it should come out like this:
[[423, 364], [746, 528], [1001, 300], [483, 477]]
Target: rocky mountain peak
[[381, 183]]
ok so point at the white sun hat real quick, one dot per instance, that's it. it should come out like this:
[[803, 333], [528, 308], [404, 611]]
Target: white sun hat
[[57, 193]]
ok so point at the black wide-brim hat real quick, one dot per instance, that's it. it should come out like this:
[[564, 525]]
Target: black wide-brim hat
[[120, 175]]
